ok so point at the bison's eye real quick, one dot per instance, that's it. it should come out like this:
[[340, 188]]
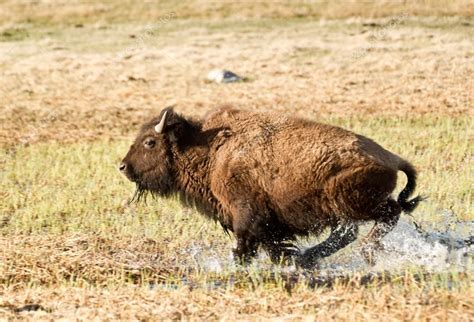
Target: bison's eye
[[149, 143]]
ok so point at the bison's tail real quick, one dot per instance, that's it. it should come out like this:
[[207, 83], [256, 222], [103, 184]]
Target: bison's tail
[[408, 205]]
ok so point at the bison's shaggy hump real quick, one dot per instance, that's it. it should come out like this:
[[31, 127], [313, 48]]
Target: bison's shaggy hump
[[268, 178]]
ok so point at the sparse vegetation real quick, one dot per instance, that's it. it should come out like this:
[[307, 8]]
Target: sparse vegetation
[[78, 80]]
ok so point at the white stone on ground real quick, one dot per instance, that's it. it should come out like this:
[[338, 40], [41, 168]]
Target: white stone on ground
[[223, 76]]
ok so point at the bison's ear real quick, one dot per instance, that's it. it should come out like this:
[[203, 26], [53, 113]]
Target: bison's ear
[[166, 116]]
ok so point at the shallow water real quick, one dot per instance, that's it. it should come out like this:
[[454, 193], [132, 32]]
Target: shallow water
[[448, 247], [433, 249]]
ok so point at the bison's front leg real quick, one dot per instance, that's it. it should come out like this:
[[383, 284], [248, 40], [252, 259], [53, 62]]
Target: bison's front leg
[[341, 236], [246, 229], [246, 249]]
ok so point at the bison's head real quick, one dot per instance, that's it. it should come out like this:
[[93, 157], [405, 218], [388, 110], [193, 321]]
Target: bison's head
[[148, 163]]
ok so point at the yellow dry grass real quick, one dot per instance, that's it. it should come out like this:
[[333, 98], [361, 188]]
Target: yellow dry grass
[[405, 302], [78, 11], [77, 81], [311, 69]]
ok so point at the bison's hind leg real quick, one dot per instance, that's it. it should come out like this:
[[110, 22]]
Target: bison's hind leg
[[341, 236], [387, 215]]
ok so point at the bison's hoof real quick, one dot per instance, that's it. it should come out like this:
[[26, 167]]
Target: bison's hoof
[[286, 258], [368, 252], [307, 261], [243, 259]]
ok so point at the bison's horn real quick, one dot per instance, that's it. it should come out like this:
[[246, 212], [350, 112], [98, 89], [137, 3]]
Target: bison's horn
[[160, 126]]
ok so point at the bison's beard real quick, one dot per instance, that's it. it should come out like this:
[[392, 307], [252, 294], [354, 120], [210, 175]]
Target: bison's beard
[[145, 189], [141, 193]]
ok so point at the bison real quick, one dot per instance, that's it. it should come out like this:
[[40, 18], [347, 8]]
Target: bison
[[269, 178]]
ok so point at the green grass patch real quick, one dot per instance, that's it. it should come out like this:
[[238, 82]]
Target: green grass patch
[[14, 34], [54, 187]]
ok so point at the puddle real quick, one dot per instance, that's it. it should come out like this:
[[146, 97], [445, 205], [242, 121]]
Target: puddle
[[429, 250]]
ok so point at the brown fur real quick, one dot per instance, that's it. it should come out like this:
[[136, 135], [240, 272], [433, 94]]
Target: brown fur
[[269, 178]]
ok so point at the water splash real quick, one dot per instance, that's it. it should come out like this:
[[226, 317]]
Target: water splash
[[432, 249]]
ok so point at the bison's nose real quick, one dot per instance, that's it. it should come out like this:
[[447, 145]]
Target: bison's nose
[[122, 167]]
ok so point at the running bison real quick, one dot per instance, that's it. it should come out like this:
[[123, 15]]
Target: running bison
[[269, 178]]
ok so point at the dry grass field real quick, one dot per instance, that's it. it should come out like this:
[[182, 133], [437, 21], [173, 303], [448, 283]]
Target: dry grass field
[[79, 77]]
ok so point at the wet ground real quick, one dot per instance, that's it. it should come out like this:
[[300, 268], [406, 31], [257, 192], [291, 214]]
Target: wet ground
[[427, 251]]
